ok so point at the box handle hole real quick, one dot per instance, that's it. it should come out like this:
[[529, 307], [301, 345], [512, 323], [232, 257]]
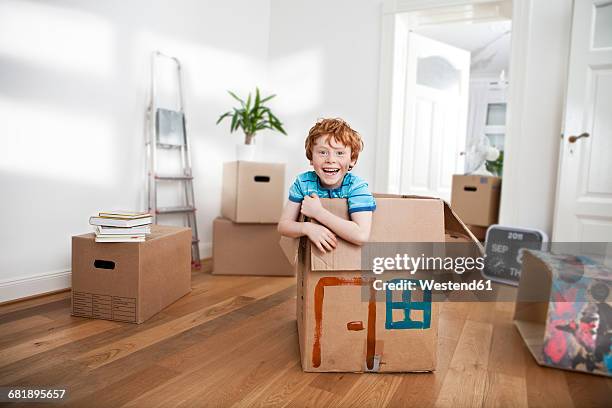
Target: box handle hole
[[101, 264], [262, 179], [469, 188]]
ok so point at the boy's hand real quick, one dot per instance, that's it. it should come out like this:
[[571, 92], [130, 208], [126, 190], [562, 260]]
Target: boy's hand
[[311, 206], [319, 235]]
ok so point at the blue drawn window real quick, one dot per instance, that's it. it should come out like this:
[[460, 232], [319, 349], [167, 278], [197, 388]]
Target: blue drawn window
[[408, 305]]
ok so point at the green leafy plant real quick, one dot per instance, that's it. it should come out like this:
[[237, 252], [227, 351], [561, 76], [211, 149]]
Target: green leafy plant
[[252, 116], [496, 166]]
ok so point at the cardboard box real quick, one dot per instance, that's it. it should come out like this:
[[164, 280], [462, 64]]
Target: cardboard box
[[131, 281], [341, 325], [564, 312], [248, 249], [475, 199], [253, 192], [479, 232]]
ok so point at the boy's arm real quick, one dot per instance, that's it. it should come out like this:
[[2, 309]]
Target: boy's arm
[[288, 226], [356, 230]]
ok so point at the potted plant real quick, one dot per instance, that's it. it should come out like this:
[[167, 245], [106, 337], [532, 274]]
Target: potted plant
[[252, 116], [496, 166]]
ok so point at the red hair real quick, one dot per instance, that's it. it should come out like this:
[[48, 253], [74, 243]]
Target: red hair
[[339, 130]]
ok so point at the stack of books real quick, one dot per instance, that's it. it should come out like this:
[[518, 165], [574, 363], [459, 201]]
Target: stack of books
[[121, 226]]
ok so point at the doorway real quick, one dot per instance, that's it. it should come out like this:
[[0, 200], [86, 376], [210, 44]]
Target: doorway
[[444, 76]]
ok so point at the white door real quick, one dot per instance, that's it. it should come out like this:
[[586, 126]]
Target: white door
[[435, 116], [583, 210]]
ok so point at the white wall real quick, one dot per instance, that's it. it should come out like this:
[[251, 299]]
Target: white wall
[[73, 84], [535, 118], [74, 78], [324, 58]]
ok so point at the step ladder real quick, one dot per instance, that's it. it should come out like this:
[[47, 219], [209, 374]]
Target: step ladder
[[166, 131]]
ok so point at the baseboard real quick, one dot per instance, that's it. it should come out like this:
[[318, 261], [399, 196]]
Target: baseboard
[[20, 288], [205, 250], [13, 289]]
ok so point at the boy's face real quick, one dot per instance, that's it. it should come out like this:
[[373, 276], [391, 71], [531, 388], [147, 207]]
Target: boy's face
[[331, 161]]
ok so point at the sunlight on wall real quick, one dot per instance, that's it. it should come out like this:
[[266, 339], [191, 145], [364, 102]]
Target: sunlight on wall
[[207, 70], [49, 143], [299, 79], [58, 38]]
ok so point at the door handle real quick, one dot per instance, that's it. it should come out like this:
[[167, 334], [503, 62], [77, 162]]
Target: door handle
[[572, 139]]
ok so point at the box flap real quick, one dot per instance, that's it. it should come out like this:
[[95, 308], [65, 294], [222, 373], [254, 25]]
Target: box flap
[[533, 336], [531, 306], [455, 228], [396, 219], [290, 247]]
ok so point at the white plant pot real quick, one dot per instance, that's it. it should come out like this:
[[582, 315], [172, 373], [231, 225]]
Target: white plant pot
[[245, 152]]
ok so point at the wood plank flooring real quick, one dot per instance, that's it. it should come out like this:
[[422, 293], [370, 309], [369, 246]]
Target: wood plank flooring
[[232, 342]]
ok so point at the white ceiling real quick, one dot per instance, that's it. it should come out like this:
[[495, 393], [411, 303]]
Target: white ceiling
[[489, 43]]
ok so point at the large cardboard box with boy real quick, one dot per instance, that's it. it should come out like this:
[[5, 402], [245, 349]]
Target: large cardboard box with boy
[[130, 281], [342, 327], [253, 192]]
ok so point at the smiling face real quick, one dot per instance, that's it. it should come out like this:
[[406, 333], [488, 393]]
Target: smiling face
[[331, 161]]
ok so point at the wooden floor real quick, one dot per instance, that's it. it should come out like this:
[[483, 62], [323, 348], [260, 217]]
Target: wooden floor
[[233, 342]]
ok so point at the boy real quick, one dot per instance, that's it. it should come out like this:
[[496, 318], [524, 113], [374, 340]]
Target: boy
[[332, 148]]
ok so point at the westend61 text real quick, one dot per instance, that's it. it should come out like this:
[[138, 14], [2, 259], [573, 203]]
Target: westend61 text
[[424, 284]]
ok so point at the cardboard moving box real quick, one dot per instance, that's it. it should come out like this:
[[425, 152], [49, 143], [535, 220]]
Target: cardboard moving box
[[253, 192], [248, 249], [475, 199], [479, 232], [564, 312], [131, 281], [342, 327]]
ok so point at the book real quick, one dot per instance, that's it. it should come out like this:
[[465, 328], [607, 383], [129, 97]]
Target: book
[[104, 230], [120, 238], [126, 215], [118, 222]]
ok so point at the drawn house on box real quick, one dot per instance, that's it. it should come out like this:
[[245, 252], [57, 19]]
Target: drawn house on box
[[402, 314]]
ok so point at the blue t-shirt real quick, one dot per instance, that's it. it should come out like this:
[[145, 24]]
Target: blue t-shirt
[[353, 188]]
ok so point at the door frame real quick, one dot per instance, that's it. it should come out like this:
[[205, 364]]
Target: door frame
[[401, 16], [433, 177]]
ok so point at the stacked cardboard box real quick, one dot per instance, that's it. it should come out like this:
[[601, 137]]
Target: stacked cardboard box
[[475, 199], [245, 239]]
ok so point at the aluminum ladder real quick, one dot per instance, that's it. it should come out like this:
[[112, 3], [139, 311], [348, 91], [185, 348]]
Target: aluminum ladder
[[167, 131]]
